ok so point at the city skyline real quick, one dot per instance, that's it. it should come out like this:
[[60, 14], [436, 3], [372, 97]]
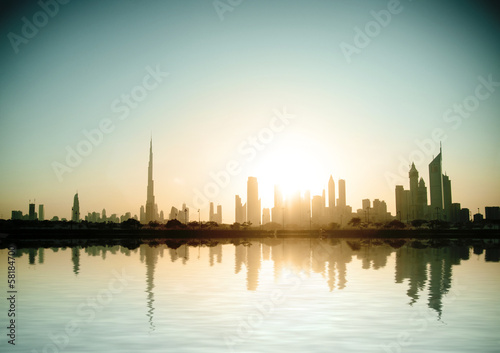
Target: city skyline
[[300, 208], [285, 91]]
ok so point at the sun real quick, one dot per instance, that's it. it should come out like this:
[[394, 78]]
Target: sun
[[293, 166]]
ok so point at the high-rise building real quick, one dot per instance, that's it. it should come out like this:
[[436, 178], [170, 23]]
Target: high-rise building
[[75, 211], [317, 210], [150, 200], [413, 174], [342, 198], [239, 210], [492, 212], [331, 193], [421, 200], [253, 202], [32, 213], [447, 198], [436, 187], [402, 203], [211, 214], [219, 214], [41, 213]]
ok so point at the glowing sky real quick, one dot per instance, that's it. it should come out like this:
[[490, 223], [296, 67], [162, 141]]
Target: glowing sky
[[356, 116]]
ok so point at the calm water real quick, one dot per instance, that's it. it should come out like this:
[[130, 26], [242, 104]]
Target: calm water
[[269, 295]]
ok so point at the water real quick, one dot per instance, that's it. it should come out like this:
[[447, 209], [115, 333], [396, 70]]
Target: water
[[267, 295]]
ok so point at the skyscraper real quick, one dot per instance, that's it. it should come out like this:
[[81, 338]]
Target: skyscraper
[[32, 213], [331, 196], [253, 202], [150, 201], [239, 210], [342, 199], [41, 213], [413, 174], [447, 198], [436, 187], [75, 211], [422, 200]]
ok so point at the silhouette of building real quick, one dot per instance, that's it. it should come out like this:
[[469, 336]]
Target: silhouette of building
[[421, 212], [492, 213], [402, 203], [253, 202], [215, 217], [17, 215], [317, 210], [478, 217], [32, 213], [75, 211], [41, 213], [413, 174], [464, 215], [342, 195], [436, 187], [150, 215], [331, 199], [447, 198], [240, 214]]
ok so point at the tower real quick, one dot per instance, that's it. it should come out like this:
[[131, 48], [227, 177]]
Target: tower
[[436, 187], [413, 174], [41, 213], [150, 200], [447, 198], [342, 198], [331, 194], [75, 211], [422, 200], [253, 202]]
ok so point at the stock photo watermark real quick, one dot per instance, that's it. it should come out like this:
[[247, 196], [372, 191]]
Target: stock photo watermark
[[418, 323], [86, 313], [31, 27], [372, 29], [223, 6], [455, 116], [121, 107], [247, 149]]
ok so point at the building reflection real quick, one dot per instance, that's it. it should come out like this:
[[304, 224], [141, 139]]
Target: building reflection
[[149, 256], [420, 266], [75, 259]]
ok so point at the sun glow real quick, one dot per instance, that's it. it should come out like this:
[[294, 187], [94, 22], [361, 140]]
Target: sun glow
[[293, 166]]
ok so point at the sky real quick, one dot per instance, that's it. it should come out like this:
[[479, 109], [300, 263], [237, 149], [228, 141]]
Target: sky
[[288, 91]]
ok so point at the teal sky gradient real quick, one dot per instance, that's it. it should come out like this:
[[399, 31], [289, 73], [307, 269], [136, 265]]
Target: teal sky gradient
[[354, 120]]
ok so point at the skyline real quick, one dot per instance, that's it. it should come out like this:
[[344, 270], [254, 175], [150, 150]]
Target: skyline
[[268, 87]]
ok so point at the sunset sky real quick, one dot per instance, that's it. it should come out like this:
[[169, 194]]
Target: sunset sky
[[361, 100]]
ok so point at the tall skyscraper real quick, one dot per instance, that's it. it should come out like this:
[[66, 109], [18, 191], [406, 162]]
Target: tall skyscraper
[[253, 202], [41, 213], [413, 174], [150, 201], [422, 200], [211, 214], [447, 198], [331, 194], [342, 199], [32, 213], [266, 215], [239, 210], [75, 211], [436, 187]]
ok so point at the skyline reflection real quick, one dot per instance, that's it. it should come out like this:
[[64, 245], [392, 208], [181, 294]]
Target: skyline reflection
[[417, 266]]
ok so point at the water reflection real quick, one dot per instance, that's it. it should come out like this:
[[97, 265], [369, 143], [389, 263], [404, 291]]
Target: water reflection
[[422, 266]]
